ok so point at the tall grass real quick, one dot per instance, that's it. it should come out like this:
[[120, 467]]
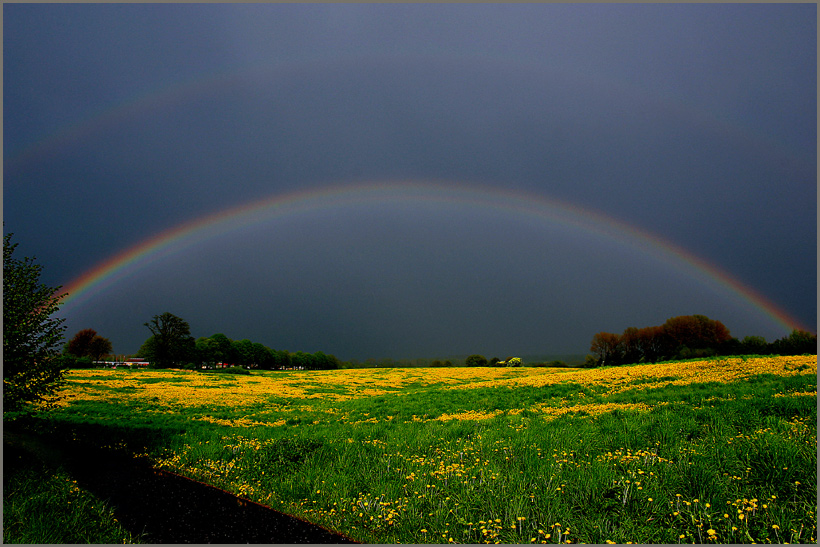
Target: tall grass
[[44, 505], [530, 457]]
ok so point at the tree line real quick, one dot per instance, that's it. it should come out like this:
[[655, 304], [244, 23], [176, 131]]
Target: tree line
[[474, 360], [171, 345], [687, 337], [33, 367], [683, 337], [218, 348]]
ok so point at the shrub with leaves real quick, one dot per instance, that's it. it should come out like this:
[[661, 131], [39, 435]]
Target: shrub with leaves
[[32, 371]]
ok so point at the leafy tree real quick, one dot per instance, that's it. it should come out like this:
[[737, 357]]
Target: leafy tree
[[32, 371], [682, 331], [243, 352], [631, 346], [652, 343], [282, 359], [754, 345], [322, 361], [695, 332], [99, 346], [87, 343], [171, 342], [148, 350], [733, 346], [798, 342], [334, 362], [646, 345], [206, 349], [78, 346], [301, 360], [224, 352], [476, 361], [606, 348], [262, 356]]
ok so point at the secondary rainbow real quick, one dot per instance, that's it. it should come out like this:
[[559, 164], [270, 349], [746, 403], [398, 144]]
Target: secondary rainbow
[[130, 261], [154, 98]]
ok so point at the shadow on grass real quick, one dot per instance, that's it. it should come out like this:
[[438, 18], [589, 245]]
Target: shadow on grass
[[163, 507]]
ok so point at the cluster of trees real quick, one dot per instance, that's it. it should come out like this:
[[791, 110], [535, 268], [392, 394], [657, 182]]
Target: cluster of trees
[[685, 337], [798, 342], [171, 345], [218, 348], [84, 348]]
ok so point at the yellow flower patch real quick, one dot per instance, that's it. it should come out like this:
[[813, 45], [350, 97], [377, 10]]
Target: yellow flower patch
[[185, 389]]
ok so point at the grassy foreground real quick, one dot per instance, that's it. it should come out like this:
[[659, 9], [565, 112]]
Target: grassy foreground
[[44, 505], [721, 450]]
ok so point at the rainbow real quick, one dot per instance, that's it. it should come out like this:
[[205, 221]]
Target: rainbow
[[169, 94], [119, 267]]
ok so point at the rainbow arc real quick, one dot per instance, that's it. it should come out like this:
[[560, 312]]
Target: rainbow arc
[[107, 274]]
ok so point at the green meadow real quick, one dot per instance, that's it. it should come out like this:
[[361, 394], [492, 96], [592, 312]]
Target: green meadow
[[702, 451]]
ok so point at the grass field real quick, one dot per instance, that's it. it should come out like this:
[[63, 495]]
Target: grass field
[[42, 504], [721, 450]]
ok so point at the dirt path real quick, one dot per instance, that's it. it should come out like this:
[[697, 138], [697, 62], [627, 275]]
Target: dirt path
[[166, 507]]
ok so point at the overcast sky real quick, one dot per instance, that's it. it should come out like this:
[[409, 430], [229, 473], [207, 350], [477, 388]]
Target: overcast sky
[[695, 124]]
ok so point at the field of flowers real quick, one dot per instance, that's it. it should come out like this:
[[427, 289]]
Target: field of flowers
[[718, 450]]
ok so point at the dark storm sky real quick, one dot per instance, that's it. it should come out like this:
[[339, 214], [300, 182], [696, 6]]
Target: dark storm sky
[[695, 123]]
